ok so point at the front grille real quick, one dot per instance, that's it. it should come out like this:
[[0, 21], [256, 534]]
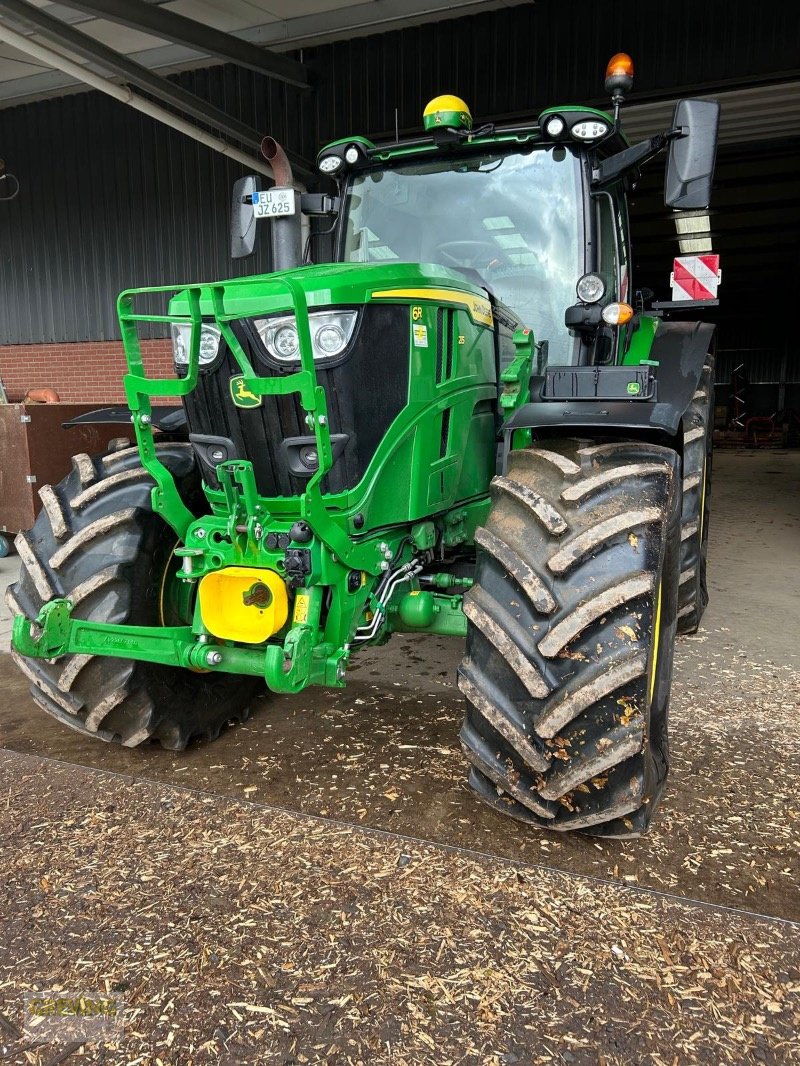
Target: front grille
[[365, 392]]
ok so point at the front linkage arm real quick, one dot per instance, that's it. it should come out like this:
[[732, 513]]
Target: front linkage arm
[[287, 668]]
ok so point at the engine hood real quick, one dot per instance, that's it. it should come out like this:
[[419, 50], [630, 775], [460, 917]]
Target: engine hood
[[342, 284]]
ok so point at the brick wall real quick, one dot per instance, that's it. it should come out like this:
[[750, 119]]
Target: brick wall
[[86, 372]]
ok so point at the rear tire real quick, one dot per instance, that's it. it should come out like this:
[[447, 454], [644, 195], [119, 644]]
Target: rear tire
[[572, 622], [698, 437], [98, 542]]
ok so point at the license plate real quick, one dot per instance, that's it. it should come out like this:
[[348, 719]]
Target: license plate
[[273, 202]]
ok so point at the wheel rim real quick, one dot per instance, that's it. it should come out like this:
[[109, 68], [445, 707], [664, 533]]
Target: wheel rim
[[175, 597]]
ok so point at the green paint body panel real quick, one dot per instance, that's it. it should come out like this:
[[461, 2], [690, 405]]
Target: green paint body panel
[[566, 109], [641, 342], [365, 142], [387, 153]]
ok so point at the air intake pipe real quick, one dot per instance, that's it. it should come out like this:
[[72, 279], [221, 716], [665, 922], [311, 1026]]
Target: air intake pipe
[[286, 230]]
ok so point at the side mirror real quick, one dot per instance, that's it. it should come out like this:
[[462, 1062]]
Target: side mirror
[[243, 221], [690, 165]]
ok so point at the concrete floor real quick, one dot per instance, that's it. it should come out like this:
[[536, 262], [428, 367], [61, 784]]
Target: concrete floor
[[384, 753]]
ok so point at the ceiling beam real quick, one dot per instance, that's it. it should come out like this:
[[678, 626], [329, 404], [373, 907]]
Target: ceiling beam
[[113, 62], [69, 39], [356, 20], [170, 26], [127, 96]]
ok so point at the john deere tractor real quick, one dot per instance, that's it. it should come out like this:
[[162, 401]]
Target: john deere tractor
[[466, 423]]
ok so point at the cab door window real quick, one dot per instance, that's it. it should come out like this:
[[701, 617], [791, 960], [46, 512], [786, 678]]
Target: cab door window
[[608, 255]]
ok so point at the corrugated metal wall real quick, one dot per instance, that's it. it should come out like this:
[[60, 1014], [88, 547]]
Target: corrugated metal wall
[[110, 199], [522, 59]]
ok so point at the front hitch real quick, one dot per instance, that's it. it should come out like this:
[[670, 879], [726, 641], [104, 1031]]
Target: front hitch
[[289, 667], [48, 636]]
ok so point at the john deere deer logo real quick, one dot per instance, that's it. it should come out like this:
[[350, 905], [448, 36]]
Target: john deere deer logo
[[241, 395]]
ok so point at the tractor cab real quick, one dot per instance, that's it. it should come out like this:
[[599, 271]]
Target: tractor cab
[[536, 215]]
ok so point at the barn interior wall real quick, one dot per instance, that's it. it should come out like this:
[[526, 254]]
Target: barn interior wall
[[110, 199]]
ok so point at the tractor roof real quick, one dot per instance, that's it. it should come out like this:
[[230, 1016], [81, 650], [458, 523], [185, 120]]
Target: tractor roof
[[582, 127]]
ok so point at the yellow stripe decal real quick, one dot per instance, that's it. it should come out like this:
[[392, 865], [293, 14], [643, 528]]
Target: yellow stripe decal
[[703, 502], [479, 310], [656, 635]]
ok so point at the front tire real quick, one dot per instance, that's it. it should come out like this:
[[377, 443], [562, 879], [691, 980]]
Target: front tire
[[572, 622], [98, 542]]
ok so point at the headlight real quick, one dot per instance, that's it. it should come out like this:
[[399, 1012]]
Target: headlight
[[590, 288], [589, 131], [330, 334], [329, 164], [285, 341], [181, 339]]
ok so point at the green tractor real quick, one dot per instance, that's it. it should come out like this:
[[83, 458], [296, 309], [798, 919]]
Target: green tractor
[[466, 424]]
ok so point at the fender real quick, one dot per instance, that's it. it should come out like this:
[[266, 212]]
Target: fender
[[166, 419], [676, 358]]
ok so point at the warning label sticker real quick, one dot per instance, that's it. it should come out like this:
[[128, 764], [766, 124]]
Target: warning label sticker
[[300, 609], [420, 336]]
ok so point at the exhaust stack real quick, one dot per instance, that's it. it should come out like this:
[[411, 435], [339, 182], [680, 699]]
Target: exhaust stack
[[286, 230]]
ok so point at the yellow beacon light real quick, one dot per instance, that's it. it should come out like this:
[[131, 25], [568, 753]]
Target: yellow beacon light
[[447, 112]]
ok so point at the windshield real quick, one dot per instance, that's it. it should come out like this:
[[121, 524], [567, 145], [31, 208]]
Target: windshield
[[510, 222]]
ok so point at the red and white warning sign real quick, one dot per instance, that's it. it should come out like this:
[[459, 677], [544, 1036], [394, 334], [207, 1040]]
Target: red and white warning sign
[[695, 277]]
